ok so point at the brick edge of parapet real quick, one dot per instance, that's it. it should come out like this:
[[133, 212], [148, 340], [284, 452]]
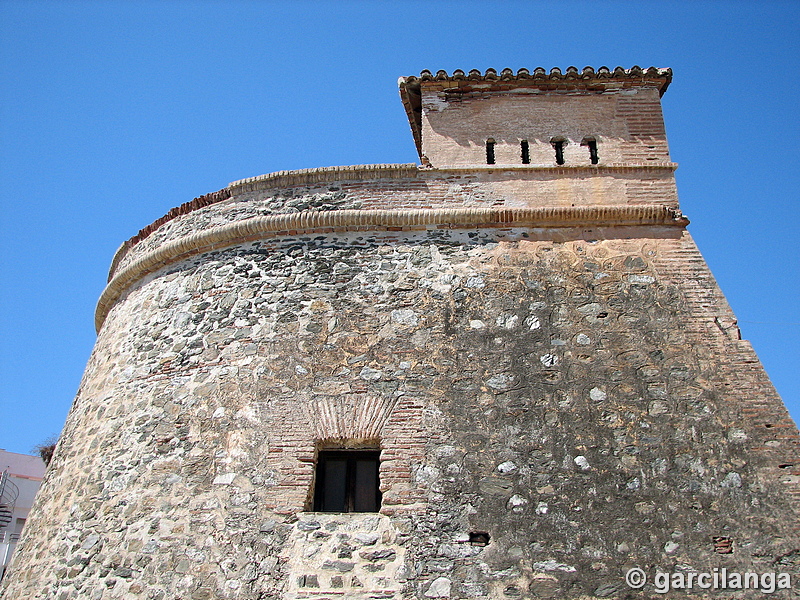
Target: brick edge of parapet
[[284, 179]]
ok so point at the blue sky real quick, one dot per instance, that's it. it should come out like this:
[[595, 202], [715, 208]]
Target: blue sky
[[114, 112]]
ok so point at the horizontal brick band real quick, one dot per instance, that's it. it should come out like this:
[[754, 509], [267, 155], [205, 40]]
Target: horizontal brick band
[[345, 220], [410, 170], [323, 174], [639, 167]]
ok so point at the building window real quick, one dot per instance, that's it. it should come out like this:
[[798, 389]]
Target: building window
[[490, 151], [525, 150], [347, 481]]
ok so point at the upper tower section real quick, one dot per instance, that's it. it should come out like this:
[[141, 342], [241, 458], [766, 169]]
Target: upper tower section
[[538, 119], [561, 153]]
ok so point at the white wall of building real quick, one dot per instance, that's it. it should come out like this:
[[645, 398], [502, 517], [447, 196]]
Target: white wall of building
[[26, 473]]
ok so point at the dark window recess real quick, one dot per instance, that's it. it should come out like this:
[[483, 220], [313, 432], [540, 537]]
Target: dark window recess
[[479, 538], [490, 151], [592, 151], [559, 146], [347, 481], [526, 152]]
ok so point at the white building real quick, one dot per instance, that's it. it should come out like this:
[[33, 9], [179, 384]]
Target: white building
[[20, 477]]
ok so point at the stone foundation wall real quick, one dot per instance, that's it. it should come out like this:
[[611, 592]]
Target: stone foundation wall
[[580, 395]]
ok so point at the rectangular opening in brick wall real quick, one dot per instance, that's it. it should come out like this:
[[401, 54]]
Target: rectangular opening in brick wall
[[490, 151], [347, 481]]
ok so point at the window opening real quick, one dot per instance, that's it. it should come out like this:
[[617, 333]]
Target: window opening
[[20, 523], [479, 538], [347, 481], [526, 152], [559, 147], [490, 151], [592, 144]]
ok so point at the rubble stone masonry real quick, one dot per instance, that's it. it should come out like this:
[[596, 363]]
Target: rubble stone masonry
[[539, 352]]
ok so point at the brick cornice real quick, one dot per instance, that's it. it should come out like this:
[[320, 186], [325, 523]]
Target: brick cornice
[[374, 220], [323, 174], [410, 170]]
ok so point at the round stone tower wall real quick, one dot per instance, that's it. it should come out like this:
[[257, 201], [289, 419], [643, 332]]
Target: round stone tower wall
[[560, 379]]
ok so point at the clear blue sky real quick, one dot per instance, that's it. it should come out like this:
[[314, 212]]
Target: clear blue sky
[[114, 112]]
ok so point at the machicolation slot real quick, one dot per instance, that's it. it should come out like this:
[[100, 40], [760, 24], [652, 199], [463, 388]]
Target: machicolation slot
[[490, 151], [558, 144], [592, 145]]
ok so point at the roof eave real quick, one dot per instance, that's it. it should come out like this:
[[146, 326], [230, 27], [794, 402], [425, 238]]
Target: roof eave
[[410, 87]]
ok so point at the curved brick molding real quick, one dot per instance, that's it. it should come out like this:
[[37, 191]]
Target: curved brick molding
[[269, 181], [386, 172], [336, 418], [346, 220], [324, 174]]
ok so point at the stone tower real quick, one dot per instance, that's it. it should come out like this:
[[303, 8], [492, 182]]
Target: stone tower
[[505, 373]]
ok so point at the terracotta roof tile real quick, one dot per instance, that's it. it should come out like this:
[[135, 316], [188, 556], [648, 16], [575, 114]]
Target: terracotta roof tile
[[540, 74]]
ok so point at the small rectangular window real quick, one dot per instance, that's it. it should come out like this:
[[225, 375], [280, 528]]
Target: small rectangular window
[[347, 481], [526, 152], [490, 151], [559, 147]]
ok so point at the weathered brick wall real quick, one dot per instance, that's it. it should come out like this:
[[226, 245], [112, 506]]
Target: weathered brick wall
[[570, 393], [627, 125]]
